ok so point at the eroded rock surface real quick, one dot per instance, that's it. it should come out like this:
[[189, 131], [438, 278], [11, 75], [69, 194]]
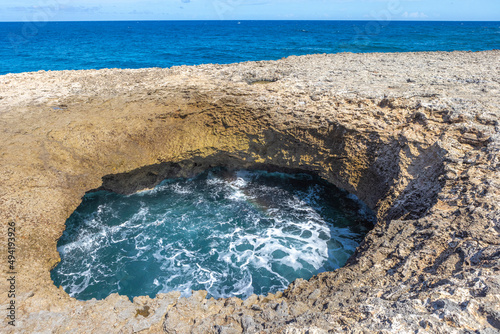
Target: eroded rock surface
[[414, 135]]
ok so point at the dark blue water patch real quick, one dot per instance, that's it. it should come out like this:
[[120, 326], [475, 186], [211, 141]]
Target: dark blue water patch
[[230, 233], [37, 46]]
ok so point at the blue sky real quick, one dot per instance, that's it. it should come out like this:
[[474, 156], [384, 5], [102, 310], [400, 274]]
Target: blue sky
[[90, 10]]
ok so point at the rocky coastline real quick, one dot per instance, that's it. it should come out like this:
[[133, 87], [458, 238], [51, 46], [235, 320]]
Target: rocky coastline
[[414, 135]]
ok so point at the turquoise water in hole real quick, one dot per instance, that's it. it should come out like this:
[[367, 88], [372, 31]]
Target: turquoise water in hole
[[230, 233]]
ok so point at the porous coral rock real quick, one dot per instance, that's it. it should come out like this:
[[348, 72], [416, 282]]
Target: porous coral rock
[[414, 135]]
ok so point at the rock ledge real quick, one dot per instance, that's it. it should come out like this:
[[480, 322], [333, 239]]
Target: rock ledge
[[414, 135]]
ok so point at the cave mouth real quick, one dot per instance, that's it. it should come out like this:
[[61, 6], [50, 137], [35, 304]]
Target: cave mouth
[[229, 232]]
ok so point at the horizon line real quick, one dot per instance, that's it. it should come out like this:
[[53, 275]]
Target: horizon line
[[247, 20]]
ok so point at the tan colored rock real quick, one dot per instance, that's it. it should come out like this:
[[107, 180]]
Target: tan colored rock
[[414, 135]]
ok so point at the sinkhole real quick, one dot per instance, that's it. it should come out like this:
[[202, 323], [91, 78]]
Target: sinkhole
[[231, 233]]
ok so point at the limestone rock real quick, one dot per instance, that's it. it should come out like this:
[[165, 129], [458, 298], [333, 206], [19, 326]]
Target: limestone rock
[[414, 135]]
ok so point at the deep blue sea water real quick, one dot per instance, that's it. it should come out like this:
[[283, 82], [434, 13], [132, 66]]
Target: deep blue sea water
[[94, 45]]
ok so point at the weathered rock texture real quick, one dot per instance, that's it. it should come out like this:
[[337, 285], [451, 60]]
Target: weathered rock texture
[[416, 136]]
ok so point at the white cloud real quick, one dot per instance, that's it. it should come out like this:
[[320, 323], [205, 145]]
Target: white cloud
[[414, 15]]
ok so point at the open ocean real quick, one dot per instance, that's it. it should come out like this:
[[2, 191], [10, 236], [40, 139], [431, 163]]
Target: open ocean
[[38, 46]]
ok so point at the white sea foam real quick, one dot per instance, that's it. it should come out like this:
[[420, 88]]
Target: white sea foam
[[258, 239]]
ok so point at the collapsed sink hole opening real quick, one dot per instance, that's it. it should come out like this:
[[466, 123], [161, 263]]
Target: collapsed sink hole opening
[[231, 233]]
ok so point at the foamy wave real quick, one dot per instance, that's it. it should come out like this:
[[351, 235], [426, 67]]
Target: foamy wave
[[232, 236]]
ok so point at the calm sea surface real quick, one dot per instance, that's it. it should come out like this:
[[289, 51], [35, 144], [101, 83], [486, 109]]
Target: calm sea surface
[[94, 45]]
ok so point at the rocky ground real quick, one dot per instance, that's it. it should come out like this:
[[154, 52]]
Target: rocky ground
[[415, 135]]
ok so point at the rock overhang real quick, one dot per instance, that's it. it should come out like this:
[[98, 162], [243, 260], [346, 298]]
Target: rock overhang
[[423, 153]]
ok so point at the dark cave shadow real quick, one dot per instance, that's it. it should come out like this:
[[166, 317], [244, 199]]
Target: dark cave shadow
[[421, 193]]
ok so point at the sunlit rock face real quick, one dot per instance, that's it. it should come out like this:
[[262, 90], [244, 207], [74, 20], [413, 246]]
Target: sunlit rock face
[[414, 136]]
